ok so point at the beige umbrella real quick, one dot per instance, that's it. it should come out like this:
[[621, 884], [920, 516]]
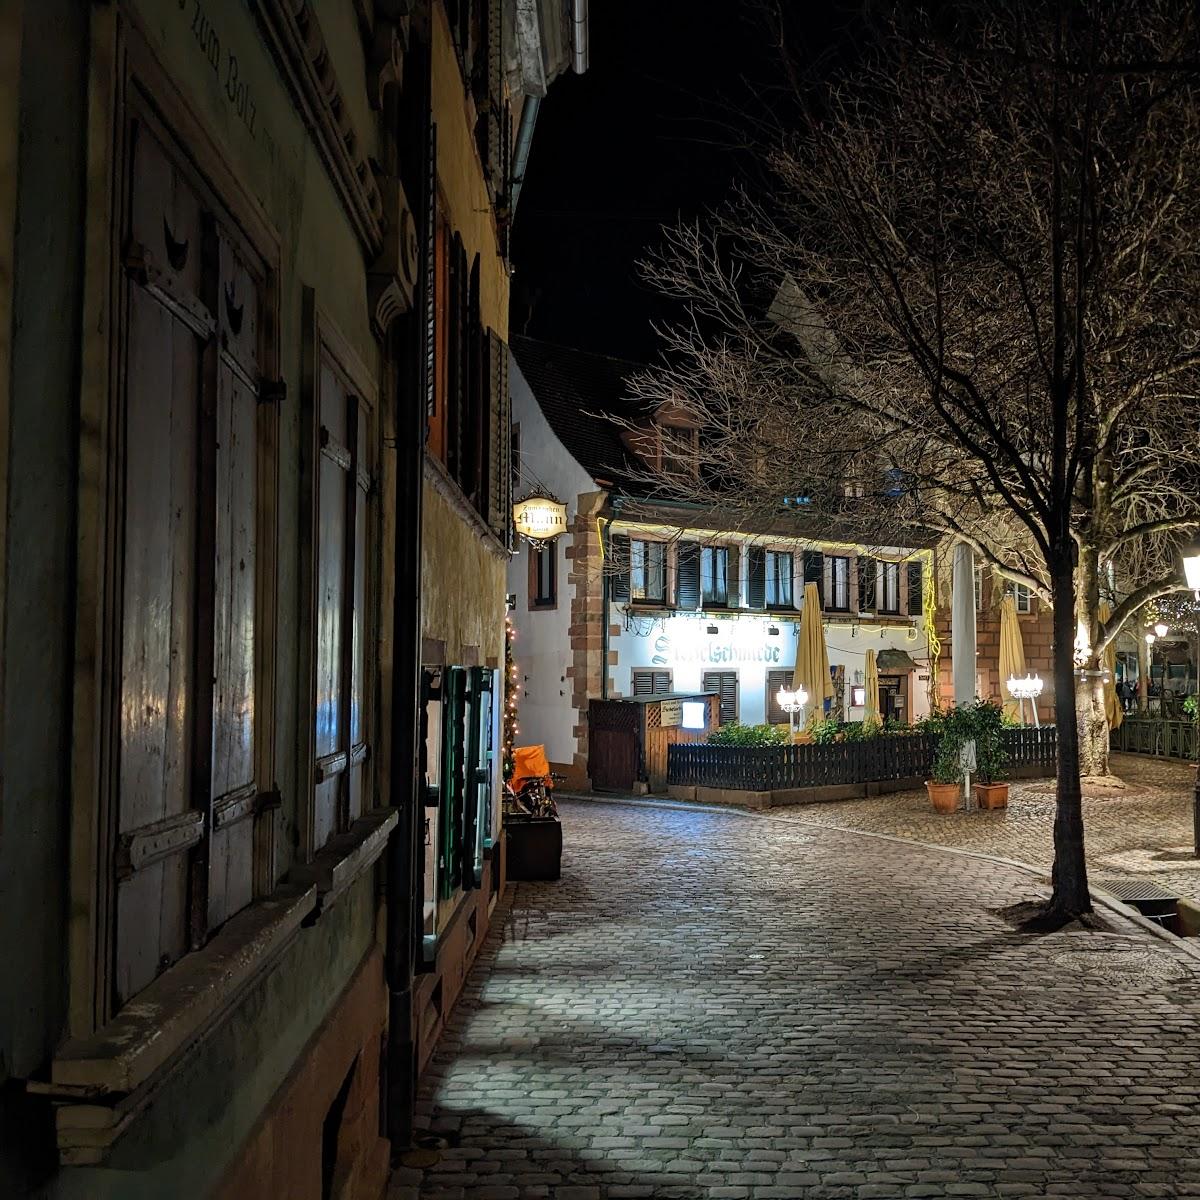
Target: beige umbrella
[[1112, 706], [1012, 655], [812, 658], [871, 712]]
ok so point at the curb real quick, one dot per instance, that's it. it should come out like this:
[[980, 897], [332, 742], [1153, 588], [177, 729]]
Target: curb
[[1099, 896]]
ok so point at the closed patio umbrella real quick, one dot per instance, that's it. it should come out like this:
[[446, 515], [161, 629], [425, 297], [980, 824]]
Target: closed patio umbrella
[[1012, 656], [812, 658], [1112, 705], [871, 711]]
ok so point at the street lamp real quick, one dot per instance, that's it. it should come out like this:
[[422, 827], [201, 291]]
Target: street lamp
[[1028, 688], [791, 703], [1161, 629]]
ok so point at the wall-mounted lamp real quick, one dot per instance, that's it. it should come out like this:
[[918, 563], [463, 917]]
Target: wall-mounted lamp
[[772, 630], [713, 629]]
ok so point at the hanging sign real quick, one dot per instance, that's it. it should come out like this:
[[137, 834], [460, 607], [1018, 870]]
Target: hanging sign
[[540, 518]]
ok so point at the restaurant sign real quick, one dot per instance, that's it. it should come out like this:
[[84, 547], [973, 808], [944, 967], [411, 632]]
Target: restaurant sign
[[539, 518]]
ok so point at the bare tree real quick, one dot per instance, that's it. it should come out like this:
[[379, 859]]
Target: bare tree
[[970, 303]]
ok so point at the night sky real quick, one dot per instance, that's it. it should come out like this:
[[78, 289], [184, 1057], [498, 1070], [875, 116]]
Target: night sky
[[647, 135]]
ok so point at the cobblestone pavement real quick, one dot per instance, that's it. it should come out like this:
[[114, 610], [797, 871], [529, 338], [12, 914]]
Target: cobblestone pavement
[[713, 1006], [1124, 835]]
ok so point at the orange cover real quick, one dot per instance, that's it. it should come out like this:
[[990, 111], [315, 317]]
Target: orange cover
[[529, 762]]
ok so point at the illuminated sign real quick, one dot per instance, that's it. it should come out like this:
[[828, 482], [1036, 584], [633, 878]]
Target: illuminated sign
[[694, 714], [540, 518], [744, 641]]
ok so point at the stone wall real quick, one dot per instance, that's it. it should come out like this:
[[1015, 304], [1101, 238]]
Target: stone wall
[[586, 580]]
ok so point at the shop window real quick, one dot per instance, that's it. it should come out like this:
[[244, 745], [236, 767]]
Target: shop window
[[775, 681], [650, 683], [648, 571], [890, 588], [779, 568], [714, 575], [343, 627], [1023, 599], [189, 716], [543, 576], [725, 684], [838, 583]]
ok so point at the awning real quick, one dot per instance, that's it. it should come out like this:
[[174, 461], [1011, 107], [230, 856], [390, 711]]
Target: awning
[[892, 662]]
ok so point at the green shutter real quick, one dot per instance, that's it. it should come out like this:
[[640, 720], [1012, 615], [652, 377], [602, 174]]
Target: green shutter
[[450, 816]]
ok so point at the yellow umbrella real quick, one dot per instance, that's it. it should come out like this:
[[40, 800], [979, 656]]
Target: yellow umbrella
[[1112, 706], [871, 712], [812, 659], [1012, 655]]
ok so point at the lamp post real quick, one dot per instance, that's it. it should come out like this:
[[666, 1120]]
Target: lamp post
[[791, 703], [1191, 573], [1029, 688]]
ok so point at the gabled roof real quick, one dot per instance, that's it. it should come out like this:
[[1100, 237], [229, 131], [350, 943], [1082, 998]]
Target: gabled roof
[[573, 388]]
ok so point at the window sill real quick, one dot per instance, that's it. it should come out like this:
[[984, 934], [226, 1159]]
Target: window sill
[[346, 856], [107, 1079]]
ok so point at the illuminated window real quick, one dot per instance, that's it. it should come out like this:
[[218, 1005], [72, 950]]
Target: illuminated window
[[779, 579], [714, 575], [648, 571]]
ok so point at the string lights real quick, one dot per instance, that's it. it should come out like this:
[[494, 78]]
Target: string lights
[[510, 695]]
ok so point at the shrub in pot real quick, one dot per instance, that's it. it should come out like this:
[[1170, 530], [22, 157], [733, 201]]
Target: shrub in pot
[[945, 784], [991, 755]]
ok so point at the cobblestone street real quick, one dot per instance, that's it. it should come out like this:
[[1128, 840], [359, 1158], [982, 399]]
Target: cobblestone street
[[1124, 834], [714, 1005]]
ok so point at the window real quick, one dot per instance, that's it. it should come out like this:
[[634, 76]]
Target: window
[[543, 576], [891, 587], [838, 589], [775, 681], [979, 589], [725, 684], [190, 715], [650, 683], [680, 451], [343, 625], [714, 575], [916, 589], [648, 571], [868, 584], [1023, 598], [514, 456], [779, 579]]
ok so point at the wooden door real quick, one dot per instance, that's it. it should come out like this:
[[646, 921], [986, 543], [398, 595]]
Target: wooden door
[[613, 745]]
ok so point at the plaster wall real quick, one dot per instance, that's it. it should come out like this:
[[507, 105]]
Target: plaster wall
[[744, 643], [542, 651]]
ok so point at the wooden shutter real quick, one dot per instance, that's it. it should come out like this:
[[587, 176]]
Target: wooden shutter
[[429, 272], [168, 328], [456, 366], [361, 628], [725, 684], [756, 571], [450, 814], [502, 435], [814, 571], [868, 584], [618, 567], [687, 575], [651, 683], [733, 577], [775, 681], [916, 588]]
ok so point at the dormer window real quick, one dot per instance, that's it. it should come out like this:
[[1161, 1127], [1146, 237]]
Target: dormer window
[[679, 451]]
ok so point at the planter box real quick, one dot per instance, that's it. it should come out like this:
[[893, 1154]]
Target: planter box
[[991, 795], [944, 796], [534, 850]]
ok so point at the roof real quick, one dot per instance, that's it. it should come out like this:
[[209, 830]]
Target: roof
[[574, 389]]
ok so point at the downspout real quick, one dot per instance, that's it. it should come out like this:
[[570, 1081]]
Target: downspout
[[529, 112], [579, 36], [403, 877]]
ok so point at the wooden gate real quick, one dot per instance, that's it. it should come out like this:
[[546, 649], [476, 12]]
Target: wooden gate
[[614, 749]]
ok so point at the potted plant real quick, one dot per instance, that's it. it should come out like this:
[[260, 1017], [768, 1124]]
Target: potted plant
[[991, 756], [945, 784]]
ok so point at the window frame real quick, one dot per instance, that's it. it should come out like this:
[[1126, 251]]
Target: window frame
[[831, 596], [1023, 600], [143, 93], [737, 694], [889, 589], [772, 559], [713, 598], [634, 567], [774, 680], [548, 553], [322, 341]]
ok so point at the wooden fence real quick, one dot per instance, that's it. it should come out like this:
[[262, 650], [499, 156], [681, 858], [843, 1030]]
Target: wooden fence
[[886, 757], [1166, 739]]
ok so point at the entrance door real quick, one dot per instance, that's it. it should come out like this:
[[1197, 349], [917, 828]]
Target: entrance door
[[614, 752], [893, 697]]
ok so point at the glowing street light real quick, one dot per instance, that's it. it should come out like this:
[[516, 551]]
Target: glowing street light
[[1161, 629], [791, 703], [1027, 688]]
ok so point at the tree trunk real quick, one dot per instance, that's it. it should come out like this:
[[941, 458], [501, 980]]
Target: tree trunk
[[1092, 723], [1070, 895], [1143, 677]]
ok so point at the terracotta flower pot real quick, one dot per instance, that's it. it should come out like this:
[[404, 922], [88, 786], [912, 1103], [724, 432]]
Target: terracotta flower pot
[[945, 796], [991, 795]]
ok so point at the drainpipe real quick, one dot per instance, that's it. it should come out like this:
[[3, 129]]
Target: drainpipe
[[529, 112], [402, 873], [579, 36]]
